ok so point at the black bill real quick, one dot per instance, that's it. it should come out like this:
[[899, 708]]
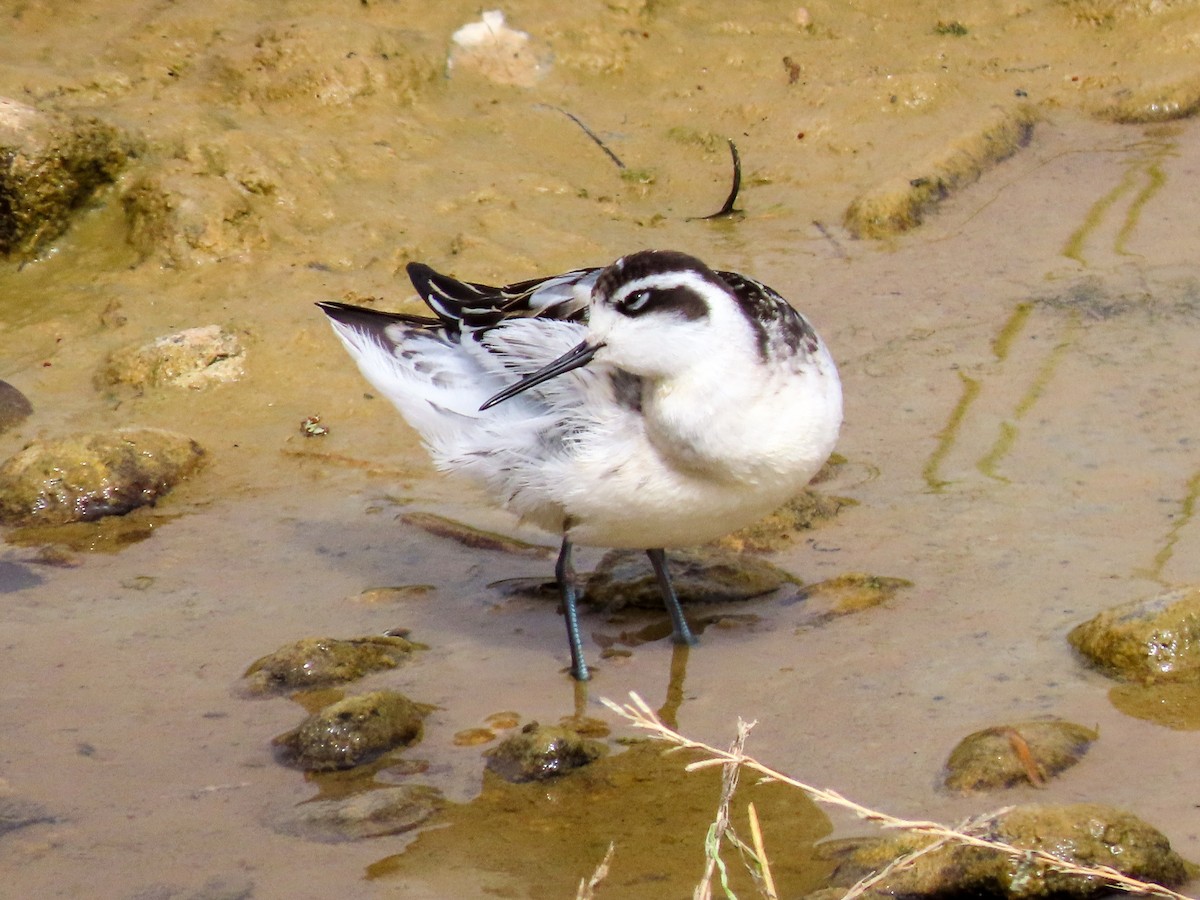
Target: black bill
[[579, 355]]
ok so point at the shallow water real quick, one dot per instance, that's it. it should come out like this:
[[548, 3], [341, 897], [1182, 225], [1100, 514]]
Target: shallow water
[[1019, 374]]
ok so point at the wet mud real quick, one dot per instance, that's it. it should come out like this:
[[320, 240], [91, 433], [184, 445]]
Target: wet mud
[[1018, 364]]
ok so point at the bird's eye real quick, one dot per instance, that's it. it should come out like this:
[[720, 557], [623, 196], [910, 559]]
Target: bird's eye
[[636, 301]]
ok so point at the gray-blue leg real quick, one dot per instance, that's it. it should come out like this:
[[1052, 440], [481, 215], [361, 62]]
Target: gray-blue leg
[[680, 633], [565, 573]]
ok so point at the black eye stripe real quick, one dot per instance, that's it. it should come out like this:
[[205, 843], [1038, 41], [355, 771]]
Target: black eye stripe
[[680, 300]]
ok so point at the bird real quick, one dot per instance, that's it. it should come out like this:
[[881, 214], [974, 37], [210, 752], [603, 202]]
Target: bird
[[649, 404]]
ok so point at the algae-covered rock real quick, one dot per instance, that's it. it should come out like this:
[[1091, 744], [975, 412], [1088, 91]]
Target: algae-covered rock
[[1008, 755], [625, 578], [86, 476], [366, 814], [352, 731], [538, 752], [1083, 834], [1147, 641], [320, 662], [15, 407], [496, 52], [193, 358], [49, 166]]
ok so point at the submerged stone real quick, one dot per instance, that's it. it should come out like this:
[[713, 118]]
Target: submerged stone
[[352, 731], [16, 814], [805, 511], [15, 408], [475, 538], [50, 164], [366, 814], [1082, 834], [538, 752], [845, 594], [193, 358], [320, 662], [86, 476], [625, 578], [1005, 756], [1156, 639]]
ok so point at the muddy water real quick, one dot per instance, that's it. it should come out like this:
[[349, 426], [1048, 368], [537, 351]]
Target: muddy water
[[1018, 370]]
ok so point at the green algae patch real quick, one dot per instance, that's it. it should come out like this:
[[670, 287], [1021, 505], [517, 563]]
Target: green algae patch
[[87, 476], [1006, 756], [901, 203], [1084, 833], [320, 662], [539, 839]]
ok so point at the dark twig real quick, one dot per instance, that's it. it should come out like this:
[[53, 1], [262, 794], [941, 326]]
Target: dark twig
[[595, 137], [727, 209]]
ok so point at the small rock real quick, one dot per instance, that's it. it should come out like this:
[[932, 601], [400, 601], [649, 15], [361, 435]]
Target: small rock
[[625, 578], [319, 662], [537, 753], [1147, 641], [1085, 833], [1008, 755], [352, 732], [86, 476], [194, 358], [498, 53], [15, 408], [49, 165], [367, 814]]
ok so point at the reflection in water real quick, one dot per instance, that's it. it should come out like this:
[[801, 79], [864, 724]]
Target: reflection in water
[[669, 711]]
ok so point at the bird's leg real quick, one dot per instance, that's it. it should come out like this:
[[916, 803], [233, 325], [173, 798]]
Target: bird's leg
[[565, 573], [680, 633]]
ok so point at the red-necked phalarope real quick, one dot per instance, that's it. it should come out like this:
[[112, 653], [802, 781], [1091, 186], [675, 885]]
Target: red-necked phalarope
[[698, 402]]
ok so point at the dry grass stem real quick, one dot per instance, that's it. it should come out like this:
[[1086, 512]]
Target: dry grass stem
[[970, 833], [760, 851], [587, 889], [721, 828]]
